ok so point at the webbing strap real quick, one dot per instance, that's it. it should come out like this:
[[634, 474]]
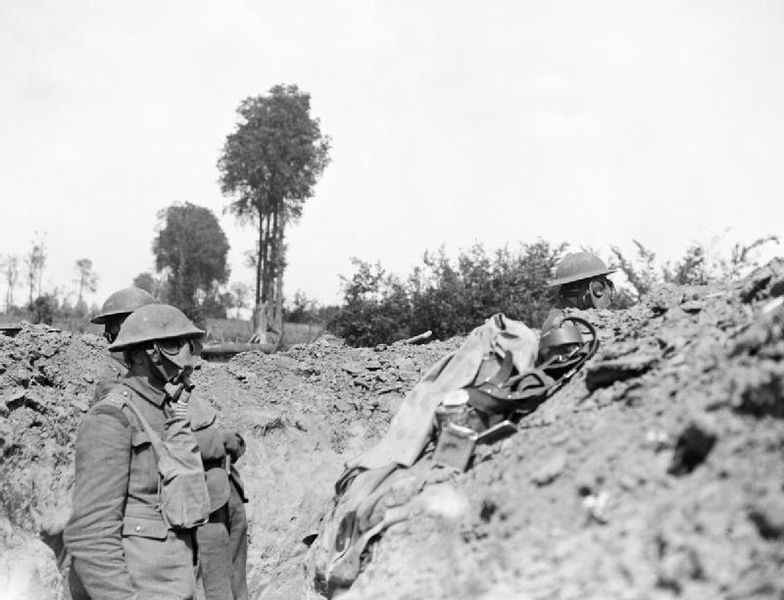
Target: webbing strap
[[501, 400], [504, 371], [155, 439], [521, 387], [120, 401]]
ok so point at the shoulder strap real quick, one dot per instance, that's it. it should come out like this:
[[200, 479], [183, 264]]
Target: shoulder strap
[[155, 439], [120, 400]]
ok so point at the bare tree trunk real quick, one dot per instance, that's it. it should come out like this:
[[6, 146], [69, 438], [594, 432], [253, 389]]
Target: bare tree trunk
[[266, 273], [263, 282], [42, 263], [260, 317], [277, 309], [31, 282], [259, 254], [269, 312]]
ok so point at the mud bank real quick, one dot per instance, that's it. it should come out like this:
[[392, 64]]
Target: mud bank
[[656, 473]]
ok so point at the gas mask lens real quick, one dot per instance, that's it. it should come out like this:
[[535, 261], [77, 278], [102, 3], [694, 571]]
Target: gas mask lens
[[601, 292], [177, 362], [598, 288], [172, 347]]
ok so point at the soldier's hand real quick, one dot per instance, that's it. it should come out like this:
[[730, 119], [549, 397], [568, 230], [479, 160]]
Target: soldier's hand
[[179, 409], [234, 444]]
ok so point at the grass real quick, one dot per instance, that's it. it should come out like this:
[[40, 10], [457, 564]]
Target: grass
[[300, 333], [219, 331], [238, 331]]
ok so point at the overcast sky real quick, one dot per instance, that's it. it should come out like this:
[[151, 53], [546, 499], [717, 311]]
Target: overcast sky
[[451, 121]]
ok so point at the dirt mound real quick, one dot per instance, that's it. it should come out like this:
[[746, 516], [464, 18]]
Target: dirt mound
[[303, 413], [655, 473], [46, 379]]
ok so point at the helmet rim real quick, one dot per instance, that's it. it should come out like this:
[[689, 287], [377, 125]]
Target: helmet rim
[[578, 266], [580, 277], [566, 333], [154, 322]]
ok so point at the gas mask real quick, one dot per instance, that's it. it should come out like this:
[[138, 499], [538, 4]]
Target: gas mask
[[175, 359], [599, 293]]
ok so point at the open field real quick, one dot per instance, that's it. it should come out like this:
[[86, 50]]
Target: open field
[[217, 330]]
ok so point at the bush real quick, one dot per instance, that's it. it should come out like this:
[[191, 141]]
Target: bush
[[700, 264], [449, 298], [44, 308], [376, 307]]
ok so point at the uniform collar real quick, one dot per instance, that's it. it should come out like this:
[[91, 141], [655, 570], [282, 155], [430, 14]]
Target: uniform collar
[[118, 356], [140, 383]]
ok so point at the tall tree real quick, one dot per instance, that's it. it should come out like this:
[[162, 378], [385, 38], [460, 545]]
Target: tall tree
[[146, 281], [270, 165], [190, 249], [86, 281], [11, 273], [35, 261]]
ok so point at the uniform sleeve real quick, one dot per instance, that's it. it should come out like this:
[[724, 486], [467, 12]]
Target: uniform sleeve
[[93, 534], [200, 413], [208, 435], [102, 389], [107, 379]]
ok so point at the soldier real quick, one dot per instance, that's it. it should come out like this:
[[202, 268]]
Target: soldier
[[223, 540], [113, 312], [583, 283], [122, 546]]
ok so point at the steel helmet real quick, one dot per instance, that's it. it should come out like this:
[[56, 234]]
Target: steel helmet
[[566, 333], [154, 322], [123, 302], [577, 266]]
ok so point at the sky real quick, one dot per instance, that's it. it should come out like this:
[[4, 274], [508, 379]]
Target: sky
[[453, 122]]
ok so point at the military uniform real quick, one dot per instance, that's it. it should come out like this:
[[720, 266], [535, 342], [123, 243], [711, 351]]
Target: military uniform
[[223, 541], [109, 376], [120, 544], [585, 274]]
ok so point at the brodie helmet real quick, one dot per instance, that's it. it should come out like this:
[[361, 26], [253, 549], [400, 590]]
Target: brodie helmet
[[154, 322], [567, 346], [122, 302], [567, 334], [578, 266]]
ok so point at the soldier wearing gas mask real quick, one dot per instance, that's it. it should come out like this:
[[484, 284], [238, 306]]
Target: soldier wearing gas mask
[[582, 282], [222, 541], [121, 543], [113, 312]]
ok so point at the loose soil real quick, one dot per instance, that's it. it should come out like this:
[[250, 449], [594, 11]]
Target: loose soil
[[657, 472]]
